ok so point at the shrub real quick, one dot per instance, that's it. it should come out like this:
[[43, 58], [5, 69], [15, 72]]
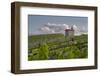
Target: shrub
[[43, 51]]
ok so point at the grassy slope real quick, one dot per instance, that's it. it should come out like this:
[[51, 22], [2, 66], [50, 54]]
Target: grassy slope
[[40, 47], [37, 39]]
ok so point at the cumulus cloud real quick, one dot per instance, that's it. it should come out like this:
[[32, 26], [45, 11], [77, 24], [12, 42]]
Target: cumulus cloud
[[76, 30], [45, 29], [52, 25], [79, 30], [54, 28], [51, 28]]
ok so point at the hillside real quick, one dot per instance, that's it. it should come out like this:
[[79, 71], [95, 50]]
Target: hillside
[[37, 39], [56, 46]]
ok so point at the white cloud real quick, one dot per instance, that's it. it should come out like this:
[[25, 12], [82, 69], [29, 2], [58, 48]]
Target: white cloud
[[54, 28], [51, 28], [45, 29], [76, 30], [79, 30]]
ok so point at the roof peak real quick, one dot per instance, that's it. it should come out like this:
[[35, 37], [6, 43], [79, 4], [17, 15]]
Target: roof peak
[[69, 29]]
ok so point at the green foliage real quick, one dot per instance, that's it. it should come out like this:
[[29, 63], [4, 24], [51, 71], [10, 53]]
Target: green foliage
[[33, 54], [55, 46], [43, 52]]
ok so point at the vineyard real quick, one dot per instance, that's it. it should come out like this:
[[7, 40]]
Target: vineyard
[[56, 46]]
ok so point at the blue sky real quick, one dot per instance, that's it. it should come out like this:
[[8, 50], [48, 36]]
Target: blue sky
[[37, 22]]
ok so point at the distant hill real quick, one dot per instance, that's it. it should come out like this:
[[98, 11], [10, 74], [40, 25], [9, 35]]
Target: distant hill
[[37, 39]]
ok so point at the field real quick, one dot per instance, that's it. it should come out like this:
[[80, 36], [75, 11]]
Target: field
[[56, 46]]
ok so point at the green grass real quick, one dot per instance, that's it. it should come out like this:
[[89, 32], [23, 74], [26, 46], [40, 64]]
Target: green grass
[[56, 46]]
